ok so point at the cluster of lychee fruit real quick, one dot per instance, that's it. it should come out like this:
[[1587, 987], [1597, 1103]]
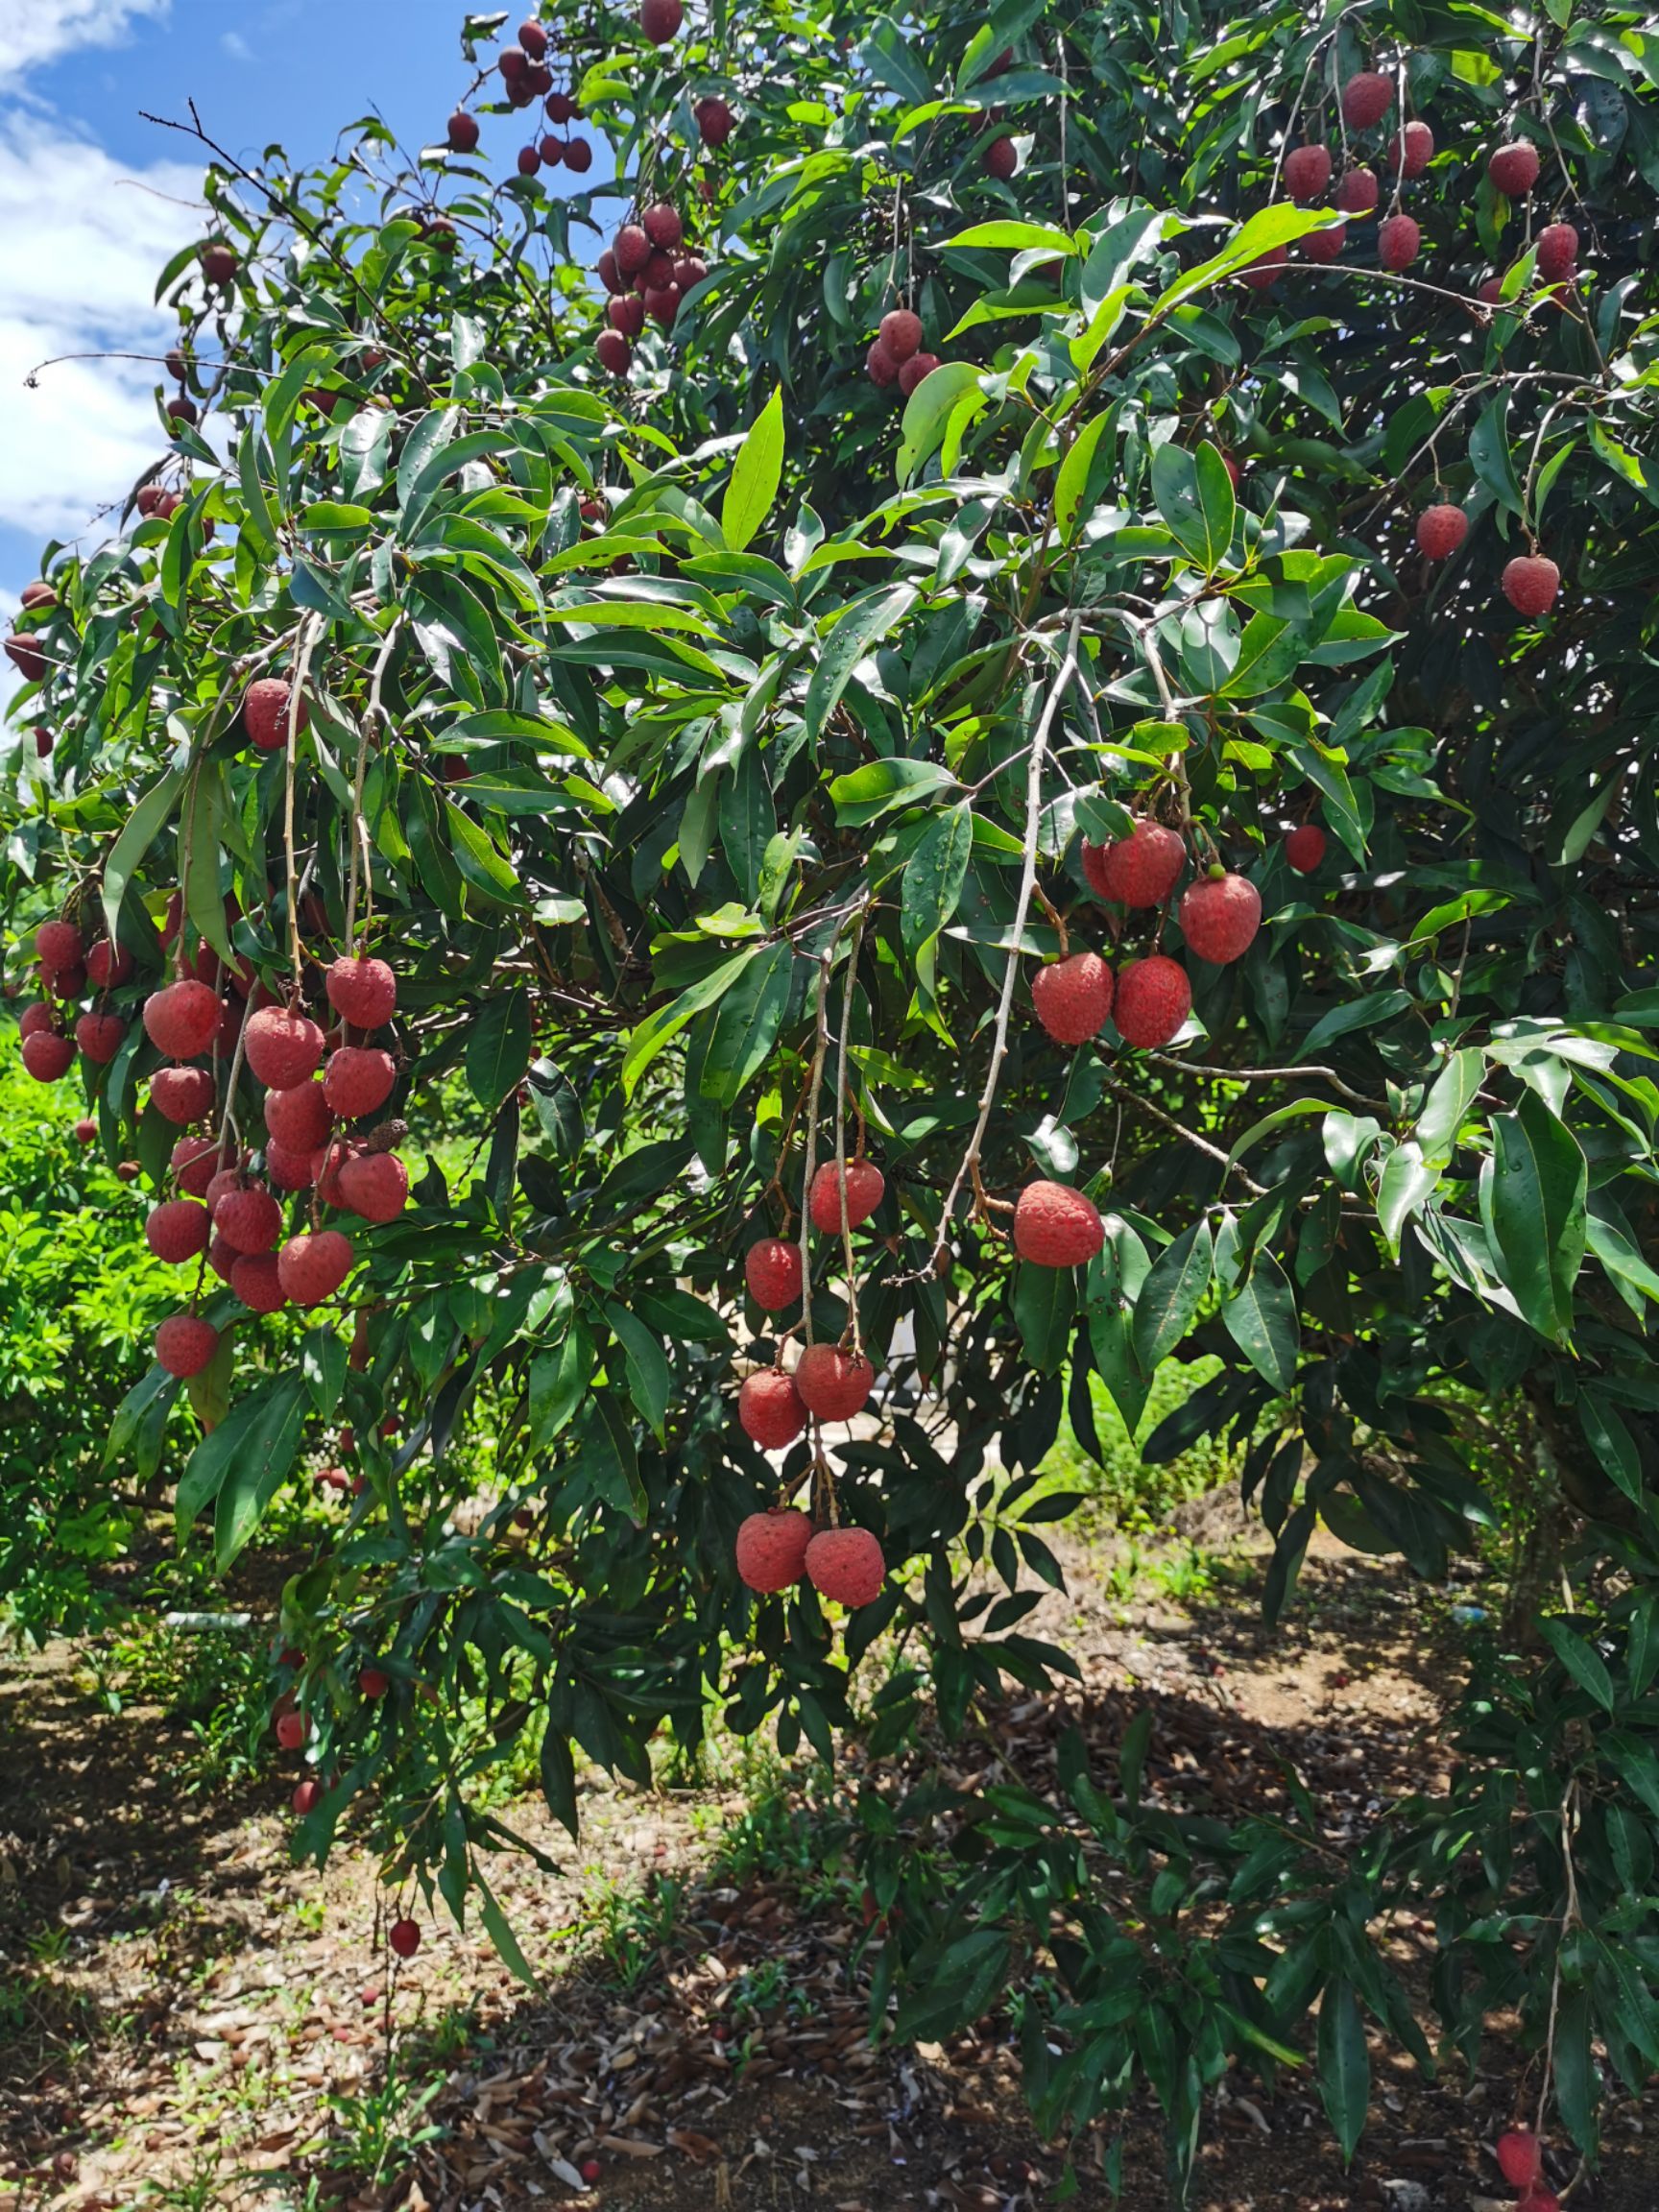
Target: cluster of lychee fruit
[[1530, 582], [647, 275], [897, 355], [525, 78], [781, 1547], [23, 648]]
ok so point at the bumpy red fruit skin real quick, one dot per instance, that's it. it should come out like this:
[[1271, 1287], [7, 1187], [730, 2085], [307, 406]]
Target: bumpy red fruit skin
[[1138, 870], [109, 964], [290, 1730], [182, 1094], [48, 1057], [1514, 168], [1001, 159], [34, 1019], [180, 1020], [715, 121], [633, 249], [1557, 251], [248, 1220], [662, 225], [1531, 583], [1358, 192], [99, 1037], [461, 132], [901, 332], [1397, 242], [1367, 98], [358, 1080], [1305, 847], [65, 982], [374, 1184], [772, 1270], [1411, 150], [193, 1161], [221, 1258], [265, 713], [284, 1047], [833, 1385], [327, 1165], [1072, 998], [406, 1936], [364, 992], [289, 1167], [58, 945], [1220, 916], [772, 1549], [769, 1410], [1521, 2158], [26, 656], [916, 371], [298, 1119], [881, 367], [1055, 1226], [177, 1230], [311, 1268], [256, 1280], [846, 1565], [866, 1187], [1307, 172], [1154, 998], [185, 1343], [1440, 530]]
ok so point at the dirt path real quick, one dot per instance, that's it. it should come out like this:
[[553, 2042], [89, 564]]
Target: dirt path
[[184, 2011]]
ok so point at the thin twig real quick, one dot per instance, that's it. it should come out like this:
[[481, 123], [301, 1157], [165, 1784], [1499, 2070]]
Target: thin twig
[[1142, 1105], [373, 722], [821, 1045], [1272, 1076], [296, 693], [841, 1129]]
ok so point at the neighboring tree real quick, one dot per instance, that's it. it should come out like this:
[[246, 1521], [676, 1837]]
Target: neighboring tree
[[1051, 672]]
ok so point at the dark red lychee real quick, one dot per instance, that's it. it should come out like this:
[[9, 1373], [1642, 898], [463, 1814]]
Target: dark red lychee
[[613, 352], [529, 160], [47, 1056], [1557, 251], [193, 1161], [306, 1797], [374, 1184], [662, 225], [1219, 916], [879, 365], [1514, 168], [405, 1934], [373, 1681], [1531, 583], [34, 1019], [1138, 870], [26, 656], [218, 262], [311, 1268], [578, 155], [185, 1343], [298, 1119], [533, 39], [661, 19], [1305, 847], [181, 1021], [182, 1094], [1307, 172], [772, 1271], [1521, 2158], [1397, 242], [633, 249], [1153, 999], [1001, 159], [561, 109], [249, 1218], [1411, 150], [1055, 1226], [1367, 98], [284, 1047], [769, 1410], [85, 1130], [1440, 530], [99, 1037], [715, 121], [771, 1549], [290, 1168], [866, 1187], [833, 1385], [109, 964], [916, 371], [177, 1230], [846, 1565], [265, 713], [1072, 998], [1358, 192], [290, 1730], [358, 1080], [257, 1280], [901, 332], [1265, 271], [58, 945], [364, 992]]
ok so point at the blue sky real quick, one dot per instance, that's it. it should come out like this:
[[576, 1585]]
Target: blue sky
[[90, 200]]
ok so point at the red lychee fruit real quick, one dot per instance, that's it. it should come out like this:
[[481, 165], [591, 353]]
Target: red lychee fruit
[[533, 39], [662, 225], [879, 365], [1072, 998], [1219, 915], [1531, 583], [1055, 1226], [290, 1168], [109, 964], [1002, 160], [265, 713], [1514, 168], [182, 1094], [1411, 150], [461, 132], [32, 1019], [249, 1218], [1265, 271], [42, 741], [298, 1119], [1367, 98], [177, 1230], [325, 1167], [58, 945], [771, 1549], [661, 19], [1557, 251], [663, 304], [901, 332], [866, 1187], [311, 1268], [193, 1161], [1138, 870], [846, 1564], [218, 262], [691, 269], [226, 1180], [85, 1130], [1305, 847], [306, 1797], [99, 1037], [514, 65], [26, 656], [633, 249], [613, 352], [916, 371], [284, 1047], [608, 273], [1307, 172], [561, 109], [47, 1056], [772, 1271], [185, 1344], [221, 1258], [1397, 242], [373, 1682], [715, 121], [1521, 2158], [405, 1934], [578, 155], [769, 1410], [833, 1385], [290, 1730], [364, 992], [358, 1080], [1358, 192], [1440, 530], [374, 1184], [65, 982], [657, 274], [591, 2170], [181, 1021], [36, 595], [529, 160], [1153, 999], [257, 1280]]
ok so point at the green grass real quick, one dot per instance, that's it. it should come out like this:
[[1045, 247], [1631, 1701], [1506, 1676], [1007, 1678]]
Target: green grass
[[1123, 1493]]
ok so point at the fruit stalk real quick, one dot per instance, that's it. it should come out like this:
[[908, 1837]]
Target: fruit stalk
[[841, 1125]]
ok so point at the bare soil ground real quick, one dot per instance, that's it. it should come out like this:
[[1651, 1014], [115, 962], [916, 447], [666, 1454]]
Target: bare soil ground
[[187, 2020]]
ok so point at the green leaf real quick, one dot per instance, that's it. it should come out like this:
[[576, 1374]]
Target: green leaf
[[261, 1462], [870, 790], [138, 832], [1581, 1660], [610, 1460], [1194, 496], [1344, 2064], [859, 626], [500, 1933], [1044, 1307], [1532, 1194], [746, 1025], [649, 1380], [1072, 480], [1261, 1318], [1408, 1179], [755, 475], [1446, 1107], [1168, 1298], [930, 408], [934, 875], [1490, 457], [659, 1028], [498, 1048]]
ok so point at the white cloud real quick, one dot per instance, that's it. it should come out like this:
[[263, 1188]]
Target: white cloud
[[36, 31], [236, 46], [81, 240]]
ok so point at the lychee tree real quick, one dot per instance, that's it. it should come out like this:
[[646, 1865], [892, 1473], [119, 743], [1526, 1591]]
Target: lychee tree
[[989, 725]]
